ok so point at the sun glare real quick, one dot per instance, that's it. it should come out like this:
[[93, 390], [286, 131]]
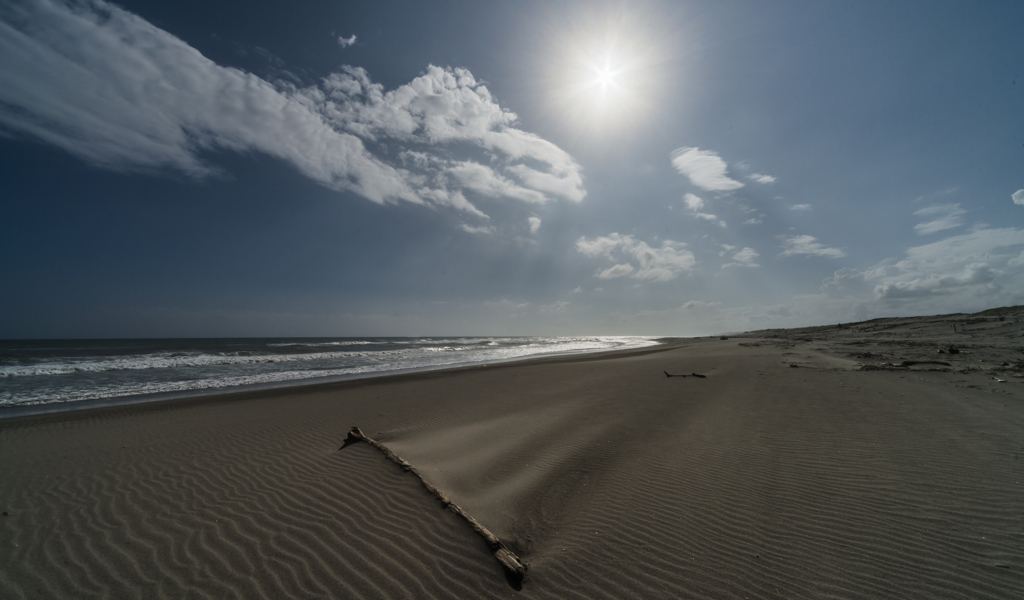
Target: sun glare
[[603, 74], [605, 78]]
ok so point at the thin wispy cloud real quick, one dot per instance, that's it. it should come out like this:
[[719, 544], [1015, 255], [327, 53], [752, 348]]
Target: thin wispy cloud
[[806, 245], [653, 264], [743, 258], [799, 207], [477, 230], [122, 94], [345, 42], [759, 178], [615, 271], [705, 169], [941, 217]]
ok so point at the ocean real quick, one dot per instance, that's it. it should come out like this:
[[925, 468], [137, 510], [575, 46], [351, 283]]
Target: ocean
[[57, 372]]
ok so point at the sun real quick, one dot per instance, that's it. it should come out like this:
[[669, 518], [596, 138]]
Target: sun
[[604, 78], [604, 73]]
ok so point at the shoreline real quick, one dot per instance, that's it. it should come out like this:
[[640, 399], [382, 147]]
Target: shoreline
[[46, 408]]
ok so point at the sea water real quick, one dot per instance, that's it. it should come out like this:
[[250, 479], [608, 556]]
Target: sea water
[[40, 372]]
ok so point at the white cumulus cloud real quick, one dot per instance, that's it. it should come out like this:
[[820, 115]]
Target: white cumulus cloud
[[972, 274], [345, 42], [653, 264], [759, 178], [1018, 197], [980, 262], [704, 168], [116, 91], [805, 245], [534, 224]]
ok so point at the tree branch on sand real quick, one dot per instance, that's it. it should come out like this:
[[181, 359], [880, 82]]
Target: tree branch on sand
[[515, 568], [690, 375]]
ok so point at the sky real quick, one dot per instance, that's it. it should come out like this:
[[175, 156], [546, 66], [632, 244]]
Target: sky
[[401, 168]]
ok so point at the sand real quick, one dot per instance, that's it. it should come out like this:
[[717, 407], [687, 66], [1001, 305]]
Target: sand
[[762, 480]]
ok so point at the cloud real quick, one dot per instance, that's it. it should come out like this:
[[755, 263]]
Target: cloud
[[345, 42], [697, 304], [119, 93], [693, 202], [485, 181], [944, 216], [759, 178], [936, 195], [568, 186], [976, 273], [805, 245], [704, 168], [753, 222], [534, 224], [615, 271], [444, 106], [743, 258], [555, 308], [799, 207], [845, 282], [981, 261], [477, 230], [654, 264], [710, 217], [1018, 197]]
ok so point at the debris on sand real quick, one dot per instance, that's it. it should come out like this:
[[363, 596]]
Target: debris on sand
[[515, 568]]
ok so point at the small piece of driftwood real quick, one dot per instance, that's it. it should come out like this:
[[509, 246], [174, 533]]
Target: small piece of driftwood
[[514, 566], [667, 374]]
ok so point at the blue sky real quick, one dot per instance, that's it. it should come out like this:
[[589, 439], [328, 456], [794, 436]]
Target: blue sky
[[409, 168]]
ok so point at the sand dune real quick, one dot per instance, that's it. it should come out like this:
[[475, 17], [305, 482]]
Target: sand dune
[[609, 479]]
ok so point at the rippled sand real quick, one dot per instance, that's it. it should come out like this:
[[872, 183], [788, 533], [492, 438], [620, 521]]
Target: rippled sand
[[610, 479]]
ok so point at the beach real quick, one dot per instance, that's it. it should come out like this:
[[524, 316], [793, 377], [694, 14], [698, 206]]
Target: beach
[[804, 464]]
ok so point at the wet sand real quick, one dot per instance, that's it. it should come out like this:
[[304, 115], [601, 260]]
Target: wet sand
[[806, 464]]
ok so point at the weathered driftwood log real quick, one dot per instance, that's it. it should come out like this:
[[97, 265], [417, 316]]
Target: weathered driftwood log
[[667, 374], [514, 566]]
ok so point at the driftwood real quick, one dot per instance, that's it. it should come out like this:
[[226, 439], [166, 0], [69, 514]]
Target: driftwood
[[515, 568], [690, 375], [904, 365]]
